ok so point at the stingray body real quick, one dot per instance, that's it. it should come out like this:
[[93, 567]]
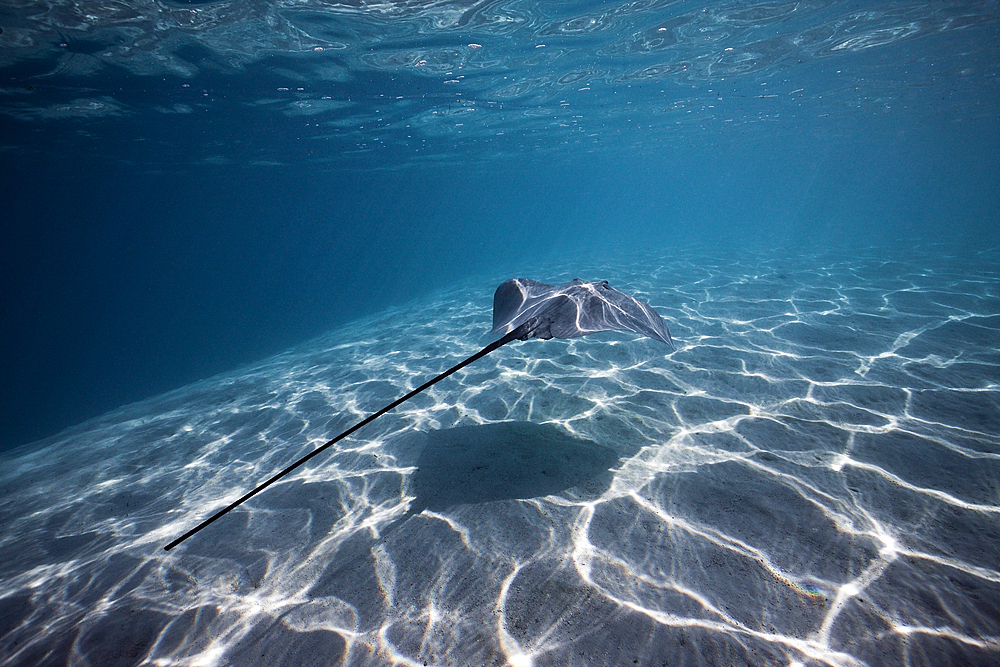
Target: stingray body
[[522, 309], [572, 310]]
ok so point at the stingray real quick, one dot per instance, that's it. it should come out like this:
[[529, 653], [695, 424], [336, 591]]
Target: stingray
[[522, 309], [572, 310]]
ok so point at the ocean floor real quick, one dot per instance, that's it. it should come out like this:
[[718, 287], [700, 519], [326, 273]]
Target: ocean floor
[[812, 477]]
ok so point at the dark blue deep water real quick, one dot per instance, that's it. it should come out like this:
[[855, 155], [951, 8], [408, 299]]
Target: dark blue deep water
[[232, 229]]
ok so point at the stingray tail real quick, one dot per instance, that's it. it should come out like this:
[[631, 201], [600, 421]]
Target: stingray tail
[[518, 333]]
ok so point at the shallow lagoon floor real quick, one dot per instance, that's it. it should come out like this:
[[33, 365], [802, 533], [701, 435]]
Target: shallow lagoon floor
[[812, 477]]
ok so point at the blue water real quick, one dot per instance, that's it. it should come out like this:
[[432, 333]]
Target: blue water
[[232, 229]]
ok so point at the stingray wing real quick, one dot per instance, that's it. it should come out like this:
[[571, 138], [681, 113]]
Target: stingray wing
[[575, 309]]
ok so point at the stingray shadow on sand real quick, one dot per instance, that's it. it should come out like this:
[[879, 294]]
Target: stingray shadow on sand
[[471, 465]]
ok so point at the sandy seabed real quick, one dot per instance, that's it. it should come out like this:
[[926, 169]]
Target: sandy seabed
[[812, 477]]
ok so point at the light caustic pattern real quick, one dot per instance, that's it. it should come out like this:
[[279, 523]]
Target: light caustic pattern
[[811, 478]]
